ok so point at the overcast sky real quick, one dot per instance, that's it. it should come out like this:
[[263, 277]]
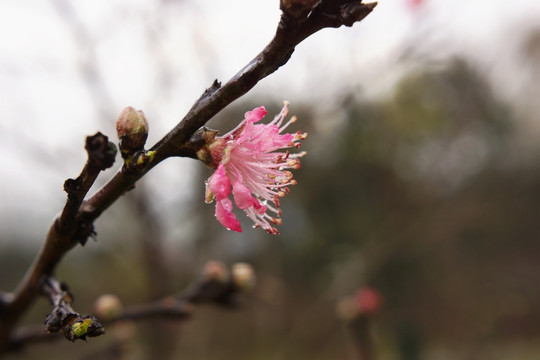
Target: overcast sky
[[160, 55]]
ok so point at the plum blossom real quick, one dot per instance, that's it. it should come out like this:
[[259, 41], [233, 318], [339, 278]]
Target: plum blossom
[[253, 164]]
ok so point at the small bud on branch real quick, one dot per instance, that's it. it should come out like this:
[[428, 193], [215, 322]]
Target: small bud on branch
[[101, 152], [107, 307], [63, 317], [243, 276], [215, 271], [132, 130]]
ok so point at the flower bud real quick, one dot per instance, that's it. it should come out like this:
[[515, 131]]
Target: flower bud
[[347, 309], [140, 160], [215, 271], [80, 327], [107, 307], [243, 276], [365, 302], [368, 300], [132, 129]]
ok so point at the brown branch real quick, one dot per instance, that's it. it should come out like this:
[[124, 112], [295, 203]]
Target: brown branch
[[63, 317], [169, 307], [360, 330], [215, 286], [62, 236], [30, 335], [101, 154], [183, 139], [293, 28]]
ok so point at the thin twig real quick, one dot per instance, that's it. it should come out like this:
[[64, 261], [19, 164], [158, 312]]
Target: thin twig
[[62, 236], [30, 335], [360, 331], [220, 290], [101, 154], [63, 317]]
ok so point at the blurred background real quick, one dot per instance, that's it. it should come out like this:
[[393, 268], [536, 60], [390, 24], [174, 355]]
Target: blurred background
[[422, 179]]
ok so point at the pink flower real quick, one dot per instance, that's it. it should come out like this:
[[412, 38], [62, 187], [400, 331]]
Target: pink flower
[[251, 163]]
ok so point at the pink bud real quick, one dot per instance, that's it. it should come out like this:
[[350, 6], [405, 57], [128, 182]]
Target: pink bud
[[368, 300], [132, 129], [215, 271]]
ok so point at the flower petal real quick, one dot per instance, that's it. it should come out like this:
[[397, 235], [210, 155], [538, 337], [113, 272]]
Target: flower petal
[[242, 196], [219, 183], [255, 114], [225, 216], [246, 134]]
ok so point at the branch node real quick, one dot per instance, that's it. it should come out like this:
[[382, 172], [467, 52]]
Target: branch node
[[306, 17], [85, 230], [355, 11], [212, 89], [138, 161], [63, 317], [72, 185], [101, 152], [297, 8]]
